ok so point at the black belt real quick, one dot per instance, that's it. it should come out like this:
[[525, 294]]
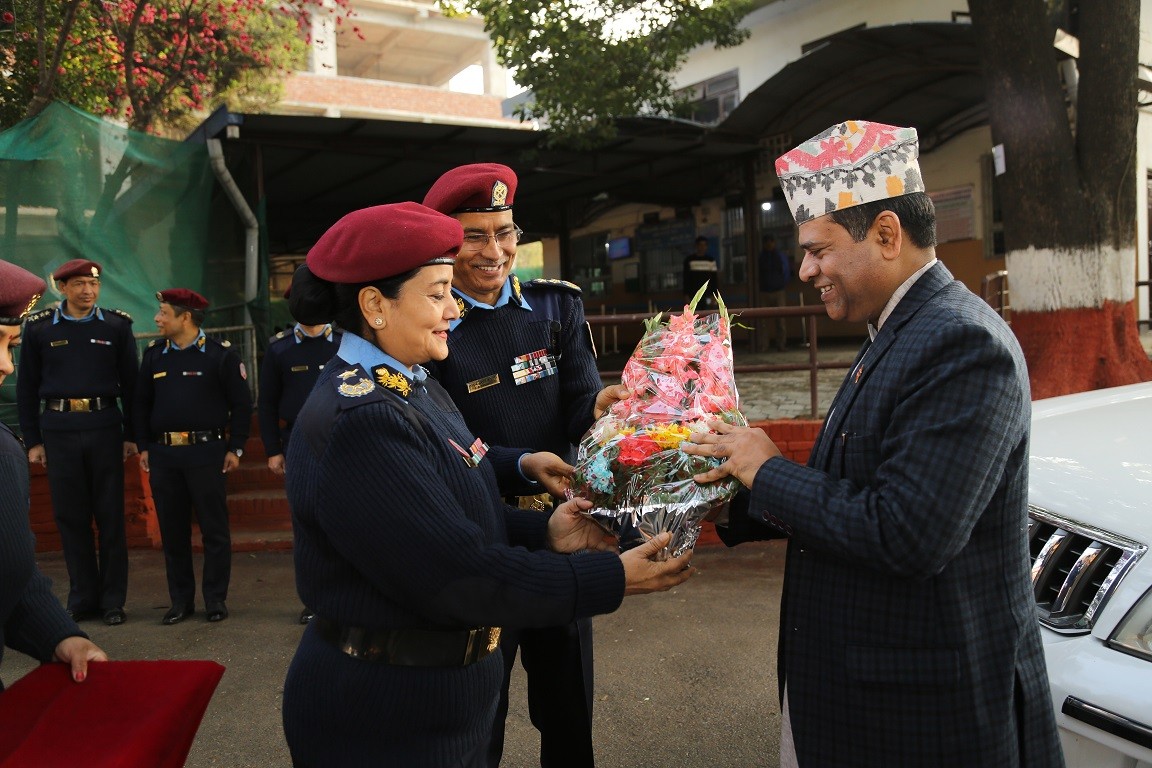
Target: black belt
[[190, 438], [79, 404], [410, 647]]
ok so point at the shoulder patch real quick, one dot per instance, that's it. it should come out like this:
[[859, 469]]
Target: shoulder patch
[[38, 316], [548, 282], [122, 314], [355, 387]]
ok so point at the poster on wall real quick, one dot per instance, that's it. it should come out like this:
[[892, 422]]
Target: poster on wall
[[955, 214]]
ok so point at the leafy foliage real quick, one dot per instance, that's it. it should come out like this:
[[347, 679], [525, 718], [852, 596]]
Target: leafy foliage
[[155, 64], [589, 61]]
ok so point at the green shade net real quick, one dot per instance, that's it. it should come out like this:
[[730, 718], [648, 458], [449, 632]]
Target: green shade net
[[75, 186]]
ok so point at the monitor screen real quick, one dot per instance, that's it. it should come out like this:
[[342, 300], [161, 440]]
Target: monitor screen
[[619, 248]]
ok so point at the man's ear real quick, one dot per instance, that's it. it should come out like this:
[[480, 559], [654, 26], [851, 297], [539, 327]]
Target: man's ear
[[888, 233]]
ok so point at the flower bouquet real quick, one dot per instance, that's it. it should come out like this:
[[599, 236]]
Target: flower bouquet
[[629, 464]]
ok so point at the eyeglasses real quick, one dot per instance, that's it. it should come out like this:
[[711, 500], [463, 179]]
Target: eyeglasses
[[478, 241]]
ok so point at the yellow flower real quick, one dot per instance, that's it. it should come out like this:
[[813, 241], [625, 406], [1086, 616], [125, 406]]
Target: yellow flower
[[669, 435]]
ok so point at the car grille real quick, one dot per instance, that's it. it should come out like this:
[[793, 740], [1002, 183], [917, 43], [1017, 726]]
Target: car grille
[[1075, 568]]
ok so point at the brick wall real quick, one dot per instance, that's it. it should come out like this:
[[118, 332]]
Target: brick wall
[[352, 92]]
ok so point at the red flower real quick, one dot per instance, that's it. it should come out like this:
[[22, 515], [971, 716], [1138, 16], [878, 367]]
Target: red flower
[[635, 449]]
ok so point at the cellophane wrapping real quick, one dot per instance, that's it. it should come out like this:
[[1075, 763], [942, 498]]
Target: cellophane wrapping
[[629, 463]]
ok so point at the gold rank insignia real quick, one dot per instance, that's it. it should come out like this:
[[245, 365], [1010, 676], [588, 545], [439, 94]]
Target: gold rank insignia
[[392, 381], [358, 388], [462, 307], [499, 194], [516, 295]]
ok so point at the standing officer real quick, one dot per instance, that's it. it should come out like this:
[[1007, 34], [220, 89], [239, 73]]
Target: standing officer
[[192, 416], [77, 360], [292, 363], [522, 369]]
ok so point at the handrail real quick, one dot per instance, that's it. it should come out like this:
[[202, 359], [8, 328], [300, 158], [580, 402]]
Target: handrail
[[808, 314]]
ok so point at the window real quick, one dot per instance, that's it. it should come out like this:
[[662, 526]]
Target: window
[[714, 99], [590, 263]]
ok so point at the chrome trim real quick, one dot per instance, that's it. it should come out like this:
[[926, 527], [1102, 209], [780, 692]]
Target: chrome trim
[[1099, 541]]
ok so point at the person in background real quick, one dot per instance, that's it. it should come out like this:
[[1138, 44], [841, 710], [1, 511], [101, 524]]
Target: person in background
[[403, 545], [700, 267], [908, 633], [292, 363], [32, 620], [77, 361], [775, 269], [522, 370], [193, 411]]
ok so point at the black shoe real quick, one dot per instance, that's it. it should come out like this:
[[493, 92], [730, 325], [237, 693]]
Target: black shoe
[[115, 617], [216, 611], [178, 613], [81, 614], [306, 615]]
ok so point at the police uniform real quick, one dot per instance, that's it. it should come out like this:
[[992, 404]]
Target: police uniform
[[523, 372], [31, 618], [292, 363], [192, 407], [403, 544], [82, 372]]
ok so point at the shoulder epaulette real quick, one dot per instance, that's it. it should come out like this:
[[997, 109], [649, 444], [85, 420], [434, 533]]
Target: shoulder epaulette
[[153, 343], [39, 315], [122, 314], [549, 282], [276, 337], [223, 342]]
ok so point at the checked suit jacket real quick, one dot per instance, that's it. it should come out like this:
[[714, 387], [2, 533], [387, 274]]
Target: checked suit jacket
[[908, 634]]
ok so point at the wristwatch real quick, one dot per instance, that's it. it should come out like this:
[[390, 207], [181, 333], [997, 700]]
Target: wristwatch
[[239, 452]]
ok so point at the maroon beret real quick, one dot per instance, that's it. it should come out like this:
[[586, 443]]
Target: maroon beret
[[384, 241], [182, 297], [19, 292], [477, 188], [76, 268]]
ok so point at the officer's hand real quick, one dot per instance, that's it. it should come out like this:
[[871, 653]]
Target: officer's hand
[[129, 449], [144, 460], [78, 651], [231, 461], [36, 455], [570, 531], [606, 397], [642, 574], [549, 470], [276, 464], [744, 450]]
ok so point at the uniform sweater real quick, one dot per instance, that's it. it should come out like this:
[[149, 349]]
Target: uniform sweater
[[290, 368]]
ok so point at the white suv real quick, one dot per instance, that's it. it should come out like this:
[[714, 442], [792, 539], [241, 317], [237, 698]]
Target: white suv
[[1090, 502]]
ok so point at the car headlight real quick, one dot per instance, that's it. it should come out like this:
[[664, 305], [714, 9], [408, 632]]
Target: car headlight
[[1134, 634]]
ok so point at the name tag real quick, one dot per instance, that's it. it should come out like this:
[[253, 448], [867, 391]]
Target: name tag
[[105, 342], [299, 368], [533, 366], [192, 373], [484, 383], [160, 375], [60, 343]]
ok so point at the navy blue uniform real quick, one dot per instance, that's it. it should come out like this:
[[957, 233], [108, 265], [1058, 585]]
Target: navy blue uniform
[[31, 618], [524, 373], [201, 390], [291, 365], [72, 374], [394, 529]]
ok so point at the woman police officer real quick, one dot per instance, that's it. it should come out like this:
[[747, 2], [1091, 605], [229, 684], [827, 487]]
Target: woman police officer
[[403, 545]]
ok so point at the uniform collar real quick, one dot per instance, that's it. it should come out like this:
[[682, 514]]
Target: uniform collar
[[359, 351], [510, 293], [62, 315], [301, 334], [199, 344]]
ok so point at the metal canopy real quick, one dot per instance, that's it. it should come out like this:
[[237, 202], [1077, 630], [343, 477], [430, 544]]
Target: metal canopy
[[313, 170], [310, 171], [926, 75]]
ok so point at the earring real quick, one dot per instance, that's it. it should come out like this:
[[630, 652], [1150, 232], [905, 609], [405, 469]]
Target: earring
[[379, 322]]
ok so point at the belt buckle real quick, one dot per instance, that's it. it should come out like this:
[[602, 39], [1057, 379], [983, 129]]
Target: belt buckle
[[538, 503], [179, 438], [79, 404]]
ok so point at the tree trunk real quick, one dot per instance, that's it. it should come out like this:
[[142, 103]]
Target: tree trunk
[[1068, 197]]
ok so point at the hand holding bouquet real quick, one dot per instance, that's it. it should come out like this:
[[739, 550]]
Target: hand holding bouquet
[[629, 464]]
